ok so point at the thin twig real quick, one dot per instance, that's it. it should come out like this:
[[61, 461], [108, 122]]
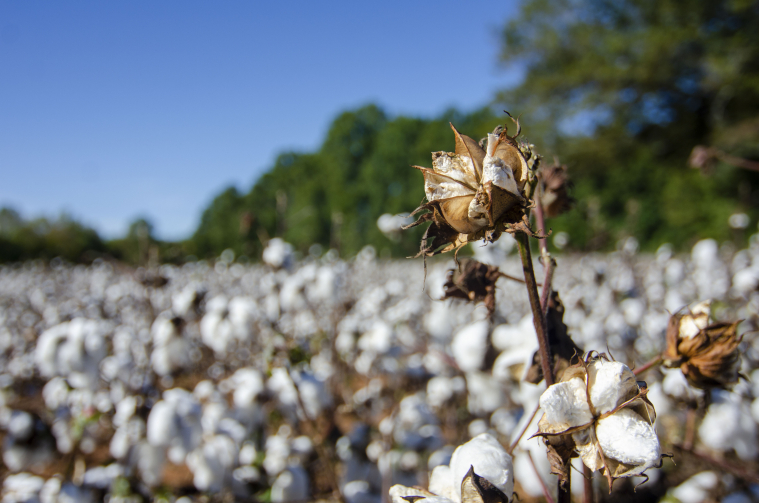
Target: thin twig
[[546, 492], [647, 366], [537, 312], [527, 425], [508, 276], [747, 475]]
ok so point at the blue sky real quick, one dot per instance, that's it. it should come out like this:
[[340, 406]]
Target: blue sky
[[119, 109]]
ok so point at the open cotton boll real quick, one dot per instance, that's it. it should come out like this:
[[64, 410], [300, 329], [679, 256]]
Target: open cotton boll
[[489, 459], [175, 422], [469, 346], [566, 405], [484, 393], [442, 483], [676, 385], [610, 384], [627, 437], [22, 487], [212, 463], [73, 349]]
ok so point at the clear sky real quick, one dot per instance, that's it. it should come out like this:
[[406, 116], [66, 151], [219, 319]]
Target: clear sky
[[119, 109]]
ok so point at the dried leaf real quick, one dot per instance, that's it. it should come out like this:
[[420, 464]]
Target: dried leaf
[[564, 351]]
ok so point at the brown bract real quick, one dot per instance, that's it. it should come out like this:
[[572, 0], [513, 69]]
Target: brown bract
[[472, 281], [707, 354], [474, 193], [556, 199]]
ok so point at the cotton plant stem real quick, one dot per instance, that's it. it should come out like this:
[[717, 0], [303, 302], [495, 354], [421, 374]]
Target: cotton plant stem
[[647, 366], [690, 427], [588, 483], [546, 492], [550, 265], [540, 221], [538, 317]]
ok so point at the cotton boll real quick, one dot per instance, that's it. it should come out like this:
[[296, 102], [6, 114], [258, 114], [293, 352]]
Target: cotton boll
[[55, 393], [675, 385], [22, 487], [633, 310], [610, 384], [248, 384], [212, 463], [20, 425], [278, 254], [291, 485], [489, 459], [277, 452], [469, 346], [728, 425], [627, 437], [415, 425], [485, 393], [73, 350], [359, 491], [442, 483], [565, 404], [697, 488], [378, 339], [439, 391], [175, 422]]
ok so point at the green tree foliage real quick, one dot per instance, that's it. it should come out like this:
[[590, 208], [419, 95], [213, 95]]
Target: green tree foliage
[[334, 197], [623, 91], [43, 238]]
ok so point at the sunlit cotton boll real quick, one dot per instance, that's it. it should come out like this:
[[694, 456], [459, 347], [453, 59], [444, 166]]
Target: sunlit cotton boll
[[696, 489], [470, 345], [175, 423], [227, 321], [212, 463], [728, 425], [489, 459], [73, 349], [278, 254]]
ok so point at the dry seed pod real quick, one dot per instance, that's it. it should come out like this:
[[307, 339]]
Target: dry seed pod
[[474, 193], [473, 281], [707, 354]]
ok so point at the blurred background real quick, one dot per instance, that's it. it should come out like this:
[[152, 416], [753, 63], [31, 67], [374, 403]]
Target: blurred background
[[176, 131]]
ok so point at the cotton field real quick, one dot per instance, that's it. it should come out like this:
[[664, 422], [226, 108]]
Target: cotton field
[[328, 379]]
